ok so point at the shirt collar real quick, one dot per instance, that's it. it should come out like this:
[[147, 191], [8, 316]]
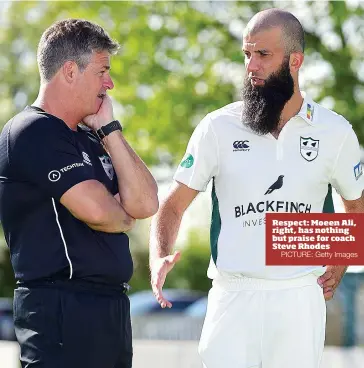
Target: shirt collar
[[307, 112]]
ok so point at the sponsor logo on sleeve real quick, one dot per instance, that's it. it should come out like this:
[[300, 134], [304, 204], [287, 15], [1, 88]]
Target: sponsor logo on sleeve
[[358, 170], [54, 175], [188, 161], [72, 166]]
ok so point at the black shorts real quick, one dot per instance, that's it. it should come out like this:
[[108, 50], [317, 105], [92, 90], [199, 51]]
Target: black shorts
[[67, 325]]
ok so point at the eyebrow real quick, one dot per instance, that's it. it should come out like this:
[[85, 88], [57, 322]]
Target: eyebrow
[[107, 67], [263, 51]]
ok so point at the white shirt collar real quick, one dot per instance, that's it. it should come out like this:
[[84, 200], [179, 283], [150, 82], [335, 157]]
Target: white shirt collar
[[307, 112]]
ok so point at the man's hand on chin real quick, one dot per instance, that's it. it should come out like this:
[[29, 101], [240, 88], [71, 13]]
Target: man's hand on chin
[[103, 116]]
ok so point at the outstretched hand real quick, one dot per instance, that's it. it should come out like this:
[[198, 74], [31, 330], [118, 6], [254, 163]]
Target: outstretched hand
[[159, 271], [330, 280]]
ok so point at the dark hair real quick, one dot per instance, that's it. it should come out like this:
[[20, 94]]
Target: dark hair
[[292, 30], [71, 39]]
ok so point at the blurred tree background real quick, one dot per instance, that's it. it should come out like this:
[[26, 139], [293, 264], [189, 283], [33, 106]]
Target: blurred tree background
[[179, 61]]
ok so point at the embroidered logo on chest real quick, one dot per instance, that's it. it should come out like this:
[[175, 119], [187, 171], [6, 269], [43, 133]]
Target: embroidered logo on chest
[[107, 165], [309, 148]]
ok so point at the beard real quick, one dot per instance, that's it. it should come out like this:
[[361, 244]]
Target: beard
[[263, 105]]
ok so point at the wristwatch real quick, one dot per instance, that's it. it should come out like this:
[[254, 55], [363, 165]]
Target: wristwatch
[[108, 128]]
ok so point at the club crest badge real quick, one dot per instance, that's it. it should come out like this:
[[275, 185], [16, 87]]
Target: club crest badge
[[107, 165], [309, 148]]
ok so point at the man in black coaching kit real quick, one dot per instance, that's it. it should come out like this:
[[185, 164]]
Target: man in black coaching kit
[[68, 194]]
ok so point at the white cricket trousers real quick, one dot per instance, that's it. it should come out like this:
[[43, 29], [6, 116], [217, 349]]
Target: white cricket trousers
[[259, 323]]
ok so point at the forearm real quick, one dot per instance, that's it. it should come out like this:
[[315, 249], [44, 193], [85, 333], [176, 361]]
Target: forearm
[[120, 227], [359, 208], [109, 217], [115, 222], [137, 188], [163, 233], [354, 206], [90, 202]]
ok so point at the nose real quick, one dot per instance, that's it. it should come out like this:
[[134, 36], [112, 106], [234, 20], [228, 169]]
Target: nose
[[108, 83], [252, 65]]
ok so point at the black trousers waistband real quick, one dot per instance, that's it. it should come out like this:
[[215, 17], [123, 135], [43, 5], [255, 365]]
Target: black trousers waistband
[[77, 285]]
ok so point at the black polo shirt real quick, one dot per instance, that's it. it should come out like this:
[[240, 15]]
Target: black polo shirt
[[40, 159]]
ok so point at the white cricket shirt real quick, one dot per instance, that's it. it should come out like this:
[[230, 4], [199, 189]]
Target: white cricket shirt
[[255, 174]]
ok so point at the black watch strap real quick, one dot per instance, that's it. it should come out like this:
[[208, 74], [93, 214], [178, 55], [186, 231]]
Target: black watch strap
[[108, 128]]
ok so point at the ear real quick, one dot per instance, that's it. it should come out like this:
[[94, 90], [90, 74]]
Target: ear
[[295, 61], [69, 70]]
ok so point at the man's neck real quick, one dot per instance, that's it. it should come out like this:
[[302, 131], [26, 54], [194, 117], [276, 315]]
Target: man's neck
[[291, 109], [54, 102]]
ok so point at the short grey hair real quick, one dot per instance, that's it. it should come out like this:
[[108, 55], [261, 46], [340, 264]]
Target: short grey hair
[[292, 30], [71, 39]]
